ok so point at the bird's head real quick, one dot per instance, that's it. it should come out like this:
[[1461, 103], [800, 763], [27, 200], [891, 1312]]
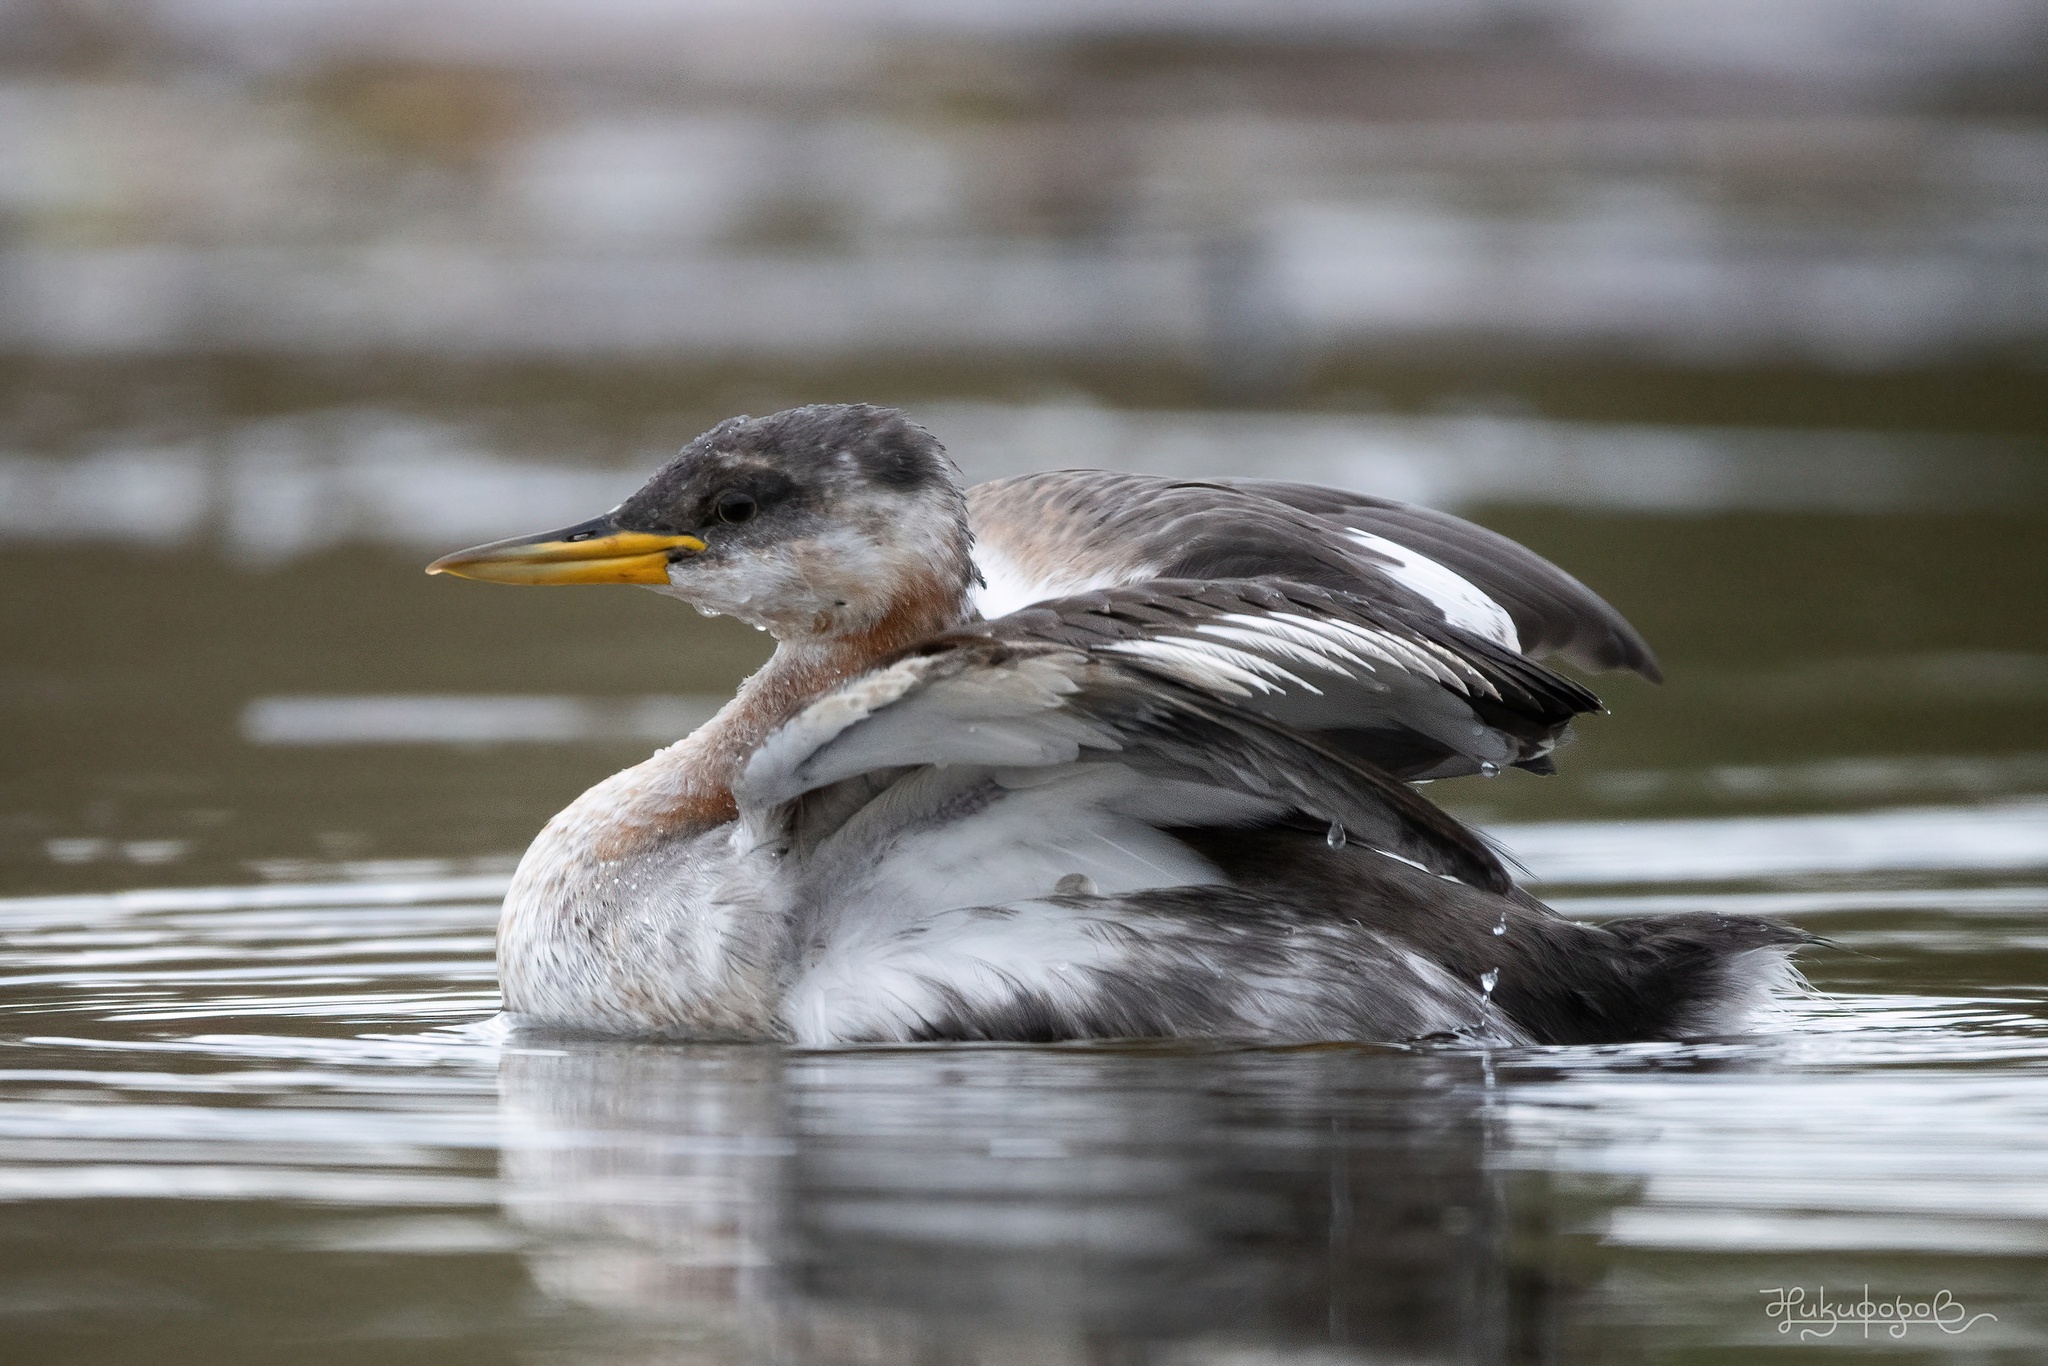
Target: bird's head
[[813, 522]]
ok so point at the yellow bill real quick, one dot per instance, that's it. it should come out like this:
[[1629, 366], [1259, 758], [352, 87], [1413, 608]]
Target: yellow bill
[[597, 551]]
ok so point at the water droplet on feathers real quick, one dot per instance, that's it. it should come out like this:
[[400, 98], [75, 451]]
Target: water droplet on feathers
[[1335, 838]]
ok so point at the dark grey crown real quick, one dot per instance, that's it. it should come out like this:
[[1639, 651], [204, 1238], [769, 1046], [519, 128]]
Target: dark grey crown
[[798, 455]]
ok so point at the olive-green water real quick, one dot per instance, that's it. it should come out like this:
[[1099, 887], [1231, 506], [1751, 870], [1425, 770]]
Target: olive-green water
[[263, 782]]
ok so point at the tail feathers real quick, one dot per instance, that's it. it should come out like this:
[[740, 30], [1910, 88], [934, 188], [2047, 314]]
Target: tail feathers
[[1665, 977], [1561, 981]]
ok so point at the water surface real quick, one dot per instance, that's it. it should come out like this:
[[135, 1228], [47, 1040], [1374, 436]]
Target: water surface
[[254, 1103]]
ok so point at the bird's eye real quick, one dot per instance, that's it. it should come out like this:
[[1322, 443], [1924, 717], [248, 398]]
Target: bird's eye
[[736, 507]]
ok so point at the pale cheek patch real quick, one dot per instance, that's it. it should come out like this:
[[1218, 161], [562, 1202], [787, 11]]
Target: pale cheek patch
[[794, 580], [751, 589]]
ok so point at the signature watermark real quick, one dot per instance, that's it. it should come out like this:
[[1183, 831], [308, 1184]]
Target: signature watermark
[[1819, 1316]]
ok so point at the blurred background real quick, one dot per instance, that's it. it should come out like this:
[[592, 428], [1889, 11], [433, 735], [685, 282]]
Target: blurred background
[[1740, 312]]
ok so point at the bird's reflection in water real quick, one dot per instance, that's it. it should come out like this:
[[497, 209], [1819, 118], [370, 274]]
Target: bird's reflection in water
[[1004, 1204]]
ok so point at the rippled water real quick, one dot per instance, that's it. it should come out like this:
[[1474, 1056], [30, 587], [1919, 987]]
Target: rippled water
[[261, 1121]]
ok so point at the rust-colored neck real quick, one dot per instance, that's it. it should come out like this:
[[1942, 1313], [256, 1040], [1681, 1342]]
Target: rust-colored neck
[[687, 788]]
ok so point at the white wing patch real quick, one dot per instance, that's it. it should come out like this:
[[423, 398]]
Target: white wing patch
[[1211, 665], [1242, 653], [1009, 587], [1461, 601]]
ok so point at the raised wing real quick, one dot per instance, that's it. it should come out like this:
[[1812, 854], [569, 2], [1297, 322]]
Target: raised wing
[[1074, 531], [1065, 737], [1553, 612], [1393, 687], [1100, 817]]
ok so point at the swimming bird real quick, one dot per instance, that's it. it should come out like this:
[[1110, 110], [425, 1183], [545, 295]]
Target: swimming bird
[[1081, 755]]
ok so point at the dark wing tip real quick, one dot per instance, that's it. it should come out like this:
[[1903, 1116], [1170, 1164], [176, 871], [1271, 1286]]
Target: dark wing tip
[[1622, 649]]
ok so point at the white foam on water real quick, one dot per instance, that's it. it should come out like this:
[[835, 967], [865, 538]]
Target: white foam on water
[[2001, 838]]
